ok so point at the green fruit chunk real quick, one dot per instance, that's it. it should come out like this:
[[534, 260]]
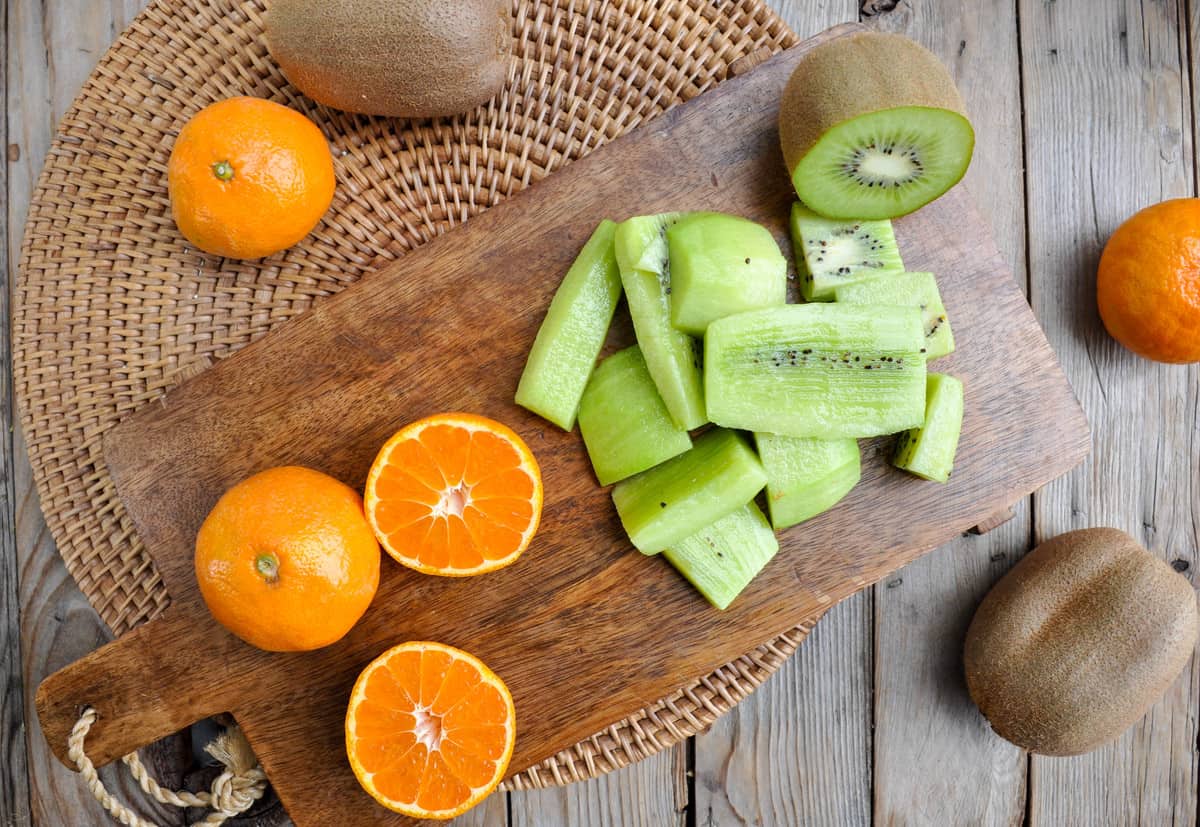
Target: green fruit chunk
[[720, 560], [806, 476], [672, 357], [721, 265], [674, 500], [573, 332], [917, 290], [872, 126], [830, 254], [624, 423], [928, 451], [818, 370]]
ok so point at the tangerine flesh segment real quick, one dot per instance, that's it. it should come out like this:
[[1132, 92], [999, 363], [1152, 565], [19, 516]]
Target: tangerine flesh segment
[[454, 494]]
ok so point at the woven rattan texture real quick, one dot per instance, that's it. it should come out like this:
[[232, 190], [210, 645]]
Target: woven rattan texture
[[112, 306]]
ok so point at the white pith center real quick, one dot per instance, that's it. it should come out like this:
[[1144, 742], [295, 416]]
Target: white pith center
[[881, 166], [428, 728], [453, 501]]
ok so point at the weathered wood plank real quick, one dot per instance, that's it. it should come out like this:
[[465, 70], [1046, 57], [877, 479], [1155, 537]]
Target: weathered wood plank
[[798, 751], [650, 793], [1108, 130], [928, 733]]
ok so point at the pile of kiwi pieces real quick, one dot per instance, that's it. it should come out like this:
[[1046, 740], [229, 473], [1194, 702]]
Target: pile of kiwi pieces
[[720, 349]]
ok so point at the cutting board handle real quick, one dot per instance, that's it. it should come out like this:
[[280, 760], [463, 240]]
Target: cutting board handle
[[161, 677]]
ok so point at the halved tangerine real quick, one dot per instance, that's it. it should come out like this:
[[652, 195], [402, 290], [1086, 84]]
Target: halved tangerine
[[454, 494], [429, 730]]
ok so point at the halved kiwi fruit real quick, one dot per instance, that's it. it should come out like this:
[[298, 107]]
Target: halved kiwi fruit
[[872, 126]]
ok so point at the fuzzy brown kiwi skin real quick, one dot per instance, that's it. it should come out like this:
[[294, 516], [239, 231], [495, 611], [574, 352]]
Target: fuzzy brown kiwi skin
[[1076, 643], [855, 74], [401, 58]]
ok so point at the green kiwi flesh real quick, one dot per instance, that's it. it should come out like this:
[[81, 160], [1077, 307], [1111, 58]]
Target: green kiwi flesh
[[672, 357], [928, 451], [805, 476], [624, 423], [827, 371], [674, 500], [572, 333], [831, 254], [721, 559], [721, 265], [918, 290], [885, 164]]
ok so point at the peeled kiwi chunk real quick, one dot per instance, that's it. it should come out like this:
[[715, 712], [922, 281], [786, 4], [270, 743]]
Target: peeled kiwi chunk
[[827, 371], [720, 265], [672, 357], [831, 254], [872, 126], [569, 340], [806, 477], [624, 423], [720, 560], [917, 290], [928, 451], [674, 500]]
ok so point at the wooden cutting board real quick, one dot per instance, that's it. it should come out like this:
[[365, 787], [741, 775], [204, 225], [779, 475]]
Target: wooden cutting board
[[584, 629]]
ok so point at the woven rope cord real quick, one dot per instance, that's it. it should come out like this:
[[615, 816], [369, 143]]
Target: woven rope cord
[[232, 792], [112, 307]]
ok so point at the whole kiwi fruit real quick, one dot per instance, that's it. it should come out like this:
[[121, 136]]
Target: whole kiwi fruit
[[404, 58], [1076, 643]]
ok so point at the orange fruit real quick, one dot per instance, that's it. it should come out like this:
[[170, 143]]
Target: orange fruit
[[249, 177], [286, 560], [429, 730], [1148, 284], [454, 494]]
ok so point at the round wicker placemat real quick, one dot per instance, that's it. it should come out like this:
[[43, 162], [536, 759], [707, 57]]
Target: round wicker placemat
[[112, 307]]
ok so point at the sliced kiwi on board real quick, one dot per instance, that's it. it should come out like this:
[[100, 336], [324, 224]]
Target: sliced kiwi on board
[[569, 340], [917, 290], [806, 476], [831, 254], [817, 370], [674, 500], [721, 265], [720, 560], [872, 126], [928, 451], [624, 423], [672, 357]]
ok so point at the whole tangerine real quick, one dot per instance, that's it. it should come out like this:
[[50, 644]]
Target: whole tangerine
[[249, 177], [1148, 282], [286, 559]]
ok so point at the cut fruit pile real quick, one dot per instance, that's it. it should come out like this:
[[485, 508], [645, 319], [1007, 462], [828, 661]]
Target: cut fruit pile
[[719, 348]]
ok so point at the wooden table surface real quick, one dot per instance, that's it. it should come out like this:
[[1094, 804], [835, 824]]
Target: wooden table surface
[[1084, 113]]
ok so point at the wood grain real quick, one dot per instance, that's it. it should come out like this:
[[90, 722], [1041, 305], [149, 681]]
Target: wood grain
[[928, 733], [1107, 96], [650, 793], [815, 769], [577, 588], [798, 751]]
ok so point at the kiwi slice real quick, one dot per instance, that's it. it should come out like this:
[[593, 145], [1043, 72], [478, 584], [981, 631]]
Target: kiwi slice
[[917, 290], [818, 370], [720, 560], [573, 332], [872, 126], [672, 357], [674, 500], [928, 451], [806, 476], [624, 423], [721, 265], [830, 254]]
